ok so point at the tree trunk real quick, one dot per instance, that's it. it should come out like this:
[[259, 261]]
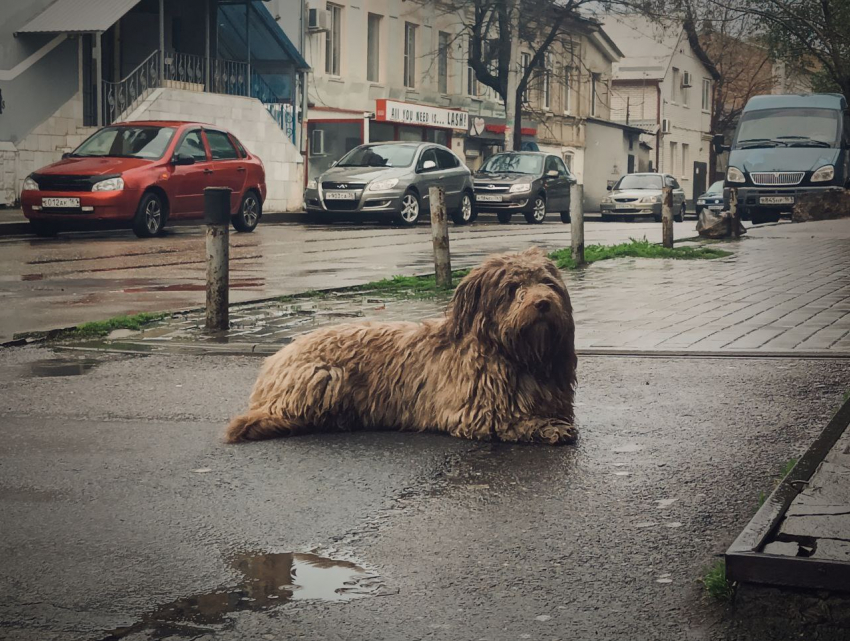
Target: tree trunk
[[518, 122]]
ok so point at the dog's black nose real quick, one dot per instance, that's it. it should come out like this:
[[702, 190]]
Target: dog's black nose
[[542, 305]]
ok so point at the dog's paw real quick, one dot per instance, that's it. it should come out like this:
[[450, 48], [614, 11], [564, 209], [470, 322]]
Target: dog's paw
[[556, 433]]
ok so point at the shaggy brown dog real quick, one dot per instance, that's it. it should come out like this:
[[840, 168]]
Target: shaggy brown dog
[[500, 366]]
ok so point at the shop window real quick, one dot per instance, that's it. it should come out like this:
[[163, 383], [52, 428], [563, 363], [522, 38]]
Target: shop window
[[330, 141], [381, 132]]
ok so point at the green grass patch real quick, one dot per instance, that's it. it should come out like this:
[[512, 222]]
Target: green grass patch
[[98, 329], [635, 249], [716, 584]]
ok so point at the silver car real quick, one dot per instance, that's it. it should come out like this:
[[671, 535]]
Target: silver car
[[392, 180], [640, 195]]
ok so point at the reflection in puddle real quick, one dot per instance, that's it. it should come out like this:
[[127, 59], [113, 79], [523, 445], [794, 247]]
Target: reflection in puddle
[[62, 367], [268, 580]]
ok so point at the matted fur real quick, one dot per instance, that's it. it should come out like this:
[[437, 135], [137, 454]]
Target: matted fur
[[500, 366]]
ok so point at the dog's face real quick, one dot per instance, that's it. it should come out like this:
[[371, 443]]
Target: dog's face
[[518, 301]]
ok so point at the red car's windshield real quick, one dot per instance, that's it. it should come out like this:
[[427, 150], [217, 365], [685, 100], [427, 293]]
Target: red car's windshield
[[127, 142]]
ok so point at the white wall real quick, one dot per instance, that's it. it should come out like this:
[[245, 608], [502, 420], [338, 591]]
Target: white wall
[[249, 121], [605, 159]]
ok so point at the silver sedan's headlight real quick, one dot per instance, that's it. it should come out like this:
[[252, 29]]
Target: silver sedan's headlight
[[827, 172], [650, 199], [312, 184], [607, 200], [382, 185], [520, 188], [110, 184], [30, 184]]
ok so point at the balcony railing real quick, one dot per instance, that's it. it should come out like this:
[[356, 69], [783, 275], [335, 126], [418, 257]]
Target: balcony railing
[[184, 69], [229, 77], [120, 97]]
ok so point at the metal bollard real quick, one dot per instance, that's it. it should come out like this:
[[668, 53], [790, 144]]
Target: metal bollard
[[577, 222], [734, 216], [667, 217], [217, 219], [440, 236]]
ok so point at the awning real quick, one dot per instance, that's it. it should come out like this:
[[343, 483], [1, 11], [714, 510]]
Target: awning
[[269, 43], [78, 16]]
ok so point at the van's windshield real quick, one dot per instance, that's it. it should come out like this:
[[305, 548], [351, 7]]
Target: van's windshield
[[789, 127]]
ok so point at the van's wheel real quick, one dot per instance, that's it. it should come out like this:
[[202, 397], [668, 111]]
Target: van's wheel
[[249, 214], [538, 213], [681, 217], [464, 214], [565, 217], [504, 217], [150, 216], [42, 229], [411, 207]]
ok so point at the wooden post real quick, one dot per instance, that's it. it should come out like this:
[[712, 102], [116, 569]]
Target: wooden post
[[667, 216], [217, 218], [734, 216], [577, 222], [440, 236]]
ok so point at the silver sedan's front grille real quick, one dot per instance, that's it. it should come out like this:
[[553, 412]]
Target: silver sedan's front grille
[[777, 178]]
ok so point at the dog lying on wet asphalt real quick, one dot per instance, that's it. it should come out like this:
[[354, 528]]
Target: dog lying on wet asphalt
[[501, 366]]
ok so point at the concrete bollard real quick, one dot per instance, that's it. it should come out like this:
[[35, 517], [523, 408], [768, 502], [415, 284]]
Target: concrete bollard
[[217, 219], [577, 222], [667, 217], [440, 236], [734, 216]]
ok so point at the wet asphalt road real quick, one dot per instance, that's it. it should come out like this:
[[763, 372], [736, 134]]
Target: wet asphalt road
[[78, 277], [118, 498]]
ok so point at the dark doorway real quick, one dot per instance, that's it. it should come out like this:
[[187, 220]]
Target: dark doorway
[[631, 164], [700, 176]]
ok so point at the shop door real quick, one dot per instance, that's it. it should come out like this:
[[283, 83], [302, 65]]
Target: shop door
[[700, 177]]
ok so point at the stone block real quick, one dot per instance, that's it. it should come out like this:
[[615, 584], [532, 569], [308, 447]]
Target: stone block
[[825, 205]]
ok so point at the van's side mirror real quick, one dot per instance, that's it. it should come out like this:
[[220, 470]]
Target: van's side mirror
[[718, 143], [182, 159], [552, 173]]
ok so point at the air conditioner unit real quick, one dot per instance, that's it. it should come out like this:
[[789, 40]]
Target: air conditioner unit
[[665, 125], [317, 142], [687, 80], [318, 19]]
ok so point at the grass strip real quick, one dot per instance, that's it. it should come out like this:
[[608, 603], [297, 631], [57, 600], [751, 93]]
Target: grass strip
[[97, 329], [716, 584]]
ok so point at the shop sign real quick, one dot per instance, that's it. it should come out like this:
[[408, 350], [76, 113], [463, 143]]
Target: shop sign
[[423, 115]]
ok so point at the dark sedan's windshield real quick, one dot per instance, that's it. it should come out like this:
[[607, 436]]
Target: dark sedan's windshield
[[127, 142], [790, 127], [716, 188], [379, 156], [639, 181], [513, 163]]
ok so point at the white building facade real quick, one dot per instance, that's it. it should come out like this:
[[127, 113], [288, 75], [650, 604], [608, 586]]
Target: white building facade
[[662, 87]]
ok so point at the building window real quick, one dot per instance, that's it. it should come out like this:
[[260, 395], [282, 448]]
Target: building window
[[684, 95], [547, 82], [333, 40], [471, 82], [686, 158], [373, 48], [674, 158], [674, 90], [524, 63], [568, 90], [594, 98], [409, 55], [568, 160], [443, 62], [706, 94]]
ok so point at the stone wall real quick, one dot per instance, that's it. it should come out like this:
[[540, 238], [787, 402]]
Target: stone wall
[[250, 122], [61, 132]]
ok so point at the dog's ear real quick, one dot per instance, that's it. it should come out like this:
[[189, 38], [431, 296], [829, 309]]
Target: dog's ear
[[465, 303], [534, 252]]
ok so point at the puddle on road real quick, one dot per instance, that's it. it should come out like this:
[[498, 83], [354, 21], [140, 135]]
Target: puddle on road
[[268, 581], [51, 367]]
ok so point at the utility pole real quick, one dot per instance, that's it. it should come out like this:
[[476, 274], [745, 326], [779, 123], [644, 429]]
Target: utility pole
[[510, 98]]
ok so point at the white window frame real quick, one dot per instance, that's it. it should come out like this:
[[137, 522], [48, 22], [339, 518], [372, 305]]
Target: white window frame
[[377, 63], [674, 90], [410, 55], [706, 95], [568, 89], [333, 41], [443, 61]]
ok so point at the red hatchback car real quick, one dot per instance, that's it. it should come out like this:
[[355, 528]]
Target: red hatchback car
[[145, 174]]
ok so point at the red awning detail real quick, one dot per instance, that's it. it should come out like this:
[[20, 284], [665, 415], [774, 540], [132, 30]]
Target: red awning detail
[[500, 129]]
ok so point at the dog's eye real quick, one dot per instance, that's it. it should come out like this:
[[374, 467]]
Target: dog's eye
[[550, 283]]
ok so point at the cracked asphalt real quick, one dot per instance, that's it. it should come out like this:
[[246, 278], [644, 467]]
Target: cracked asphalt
[[118, 497]]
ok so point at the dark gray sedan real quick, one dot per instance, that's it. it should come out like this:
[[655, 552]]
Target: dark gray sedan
[[530, 183], [392, 180]]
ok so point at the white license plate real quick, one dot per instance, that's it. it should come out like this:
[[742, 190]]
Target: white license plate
[[488, 198], [624, 206], [776, 200], [339, 195], [60, 202]]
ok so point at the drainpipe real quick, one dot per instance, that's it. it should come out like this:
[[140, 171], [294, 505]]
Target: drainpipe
[[162, 42], [304, 106], [207, 45], [658, 136], [98, 59], [248, 42]]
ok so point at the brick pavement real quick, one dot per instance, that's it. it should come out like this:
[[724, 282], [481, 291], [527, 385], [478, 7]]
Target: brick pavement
[[785, 289]]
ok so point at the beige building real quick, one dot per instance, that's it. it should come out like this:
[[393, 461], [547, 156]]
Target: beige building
[[661, 87]]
